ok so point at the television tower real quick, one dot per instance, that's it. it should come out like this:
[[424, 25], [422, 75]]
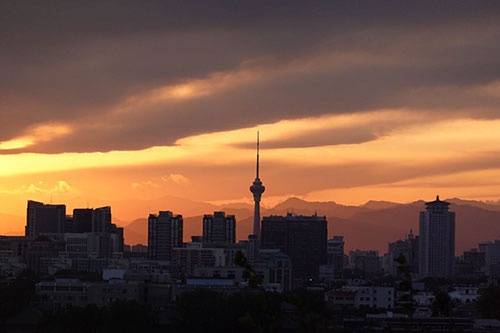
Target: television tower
[[257, 189]]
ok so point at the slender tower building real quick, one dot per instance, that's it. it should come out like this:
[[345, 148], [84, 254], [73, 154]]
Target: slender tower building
[[257, 189]]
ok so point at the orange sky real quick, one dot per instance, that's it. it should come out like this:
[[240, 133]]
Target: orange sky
[[452, 158]]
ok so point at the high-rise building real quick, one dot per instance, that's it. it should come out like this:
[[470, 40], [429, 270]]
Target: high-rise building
[[302, 238], [335, 255], [101, 219], [219, 228], [42, 218], [257, 189], [491, 252], [82, 219], [436, 240], [164, 233]]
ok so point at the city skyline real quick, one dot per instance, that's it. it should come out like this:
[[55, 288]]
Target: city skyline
[[249, 166]]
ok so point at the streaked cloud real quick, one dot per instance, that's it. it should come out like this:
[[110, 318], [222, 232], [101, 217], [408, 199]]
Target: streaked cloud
[[36, 135]]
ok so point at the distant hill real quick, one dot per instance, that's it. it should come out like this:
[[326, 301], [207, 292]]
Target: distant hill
[[369, 226], [373, 204], [328, 208]]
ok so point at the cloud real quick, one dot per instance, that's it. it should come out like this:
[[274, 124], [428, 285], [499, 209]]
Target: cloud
[[147, 184], [176, 178], [124, 76], [37, 134], [160, 182], [354, 128], [60, 187]]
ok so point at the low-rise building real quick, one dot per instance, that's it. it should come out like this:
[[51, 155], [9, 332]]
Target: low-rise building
[[185, 260], [362, 297], [465, 294]]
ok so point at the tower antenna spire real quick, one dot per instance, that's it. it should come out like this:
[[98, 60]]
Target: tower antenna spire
[[258, 148]]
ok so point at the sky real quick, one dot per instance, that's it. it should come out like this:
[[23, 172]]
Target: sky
[[354, 101]]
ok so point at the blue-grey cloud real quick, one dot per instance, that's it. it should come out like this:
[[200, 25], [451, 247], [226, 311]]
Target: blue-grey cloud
[[74, 62]]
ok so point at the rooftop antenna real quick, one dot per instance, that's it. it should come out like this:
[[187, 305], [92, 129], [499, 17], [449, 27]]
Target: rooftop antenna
[[258, 148]]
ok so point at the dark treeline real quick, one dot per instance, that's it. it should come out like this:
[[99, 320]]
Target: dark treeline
[[199, 311]]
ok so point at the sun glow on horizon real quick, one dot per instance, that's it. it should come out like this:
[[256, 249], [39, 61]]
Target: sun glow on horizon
[[456, 154]]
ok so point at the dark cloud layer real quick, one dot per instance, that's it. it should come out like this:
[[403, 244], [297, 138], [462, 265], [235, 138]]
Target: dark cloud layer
[[75, 62]]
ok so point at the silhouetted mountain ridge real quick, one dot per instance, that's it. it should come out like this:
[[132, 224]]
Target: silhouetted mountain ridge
[[368, 226]]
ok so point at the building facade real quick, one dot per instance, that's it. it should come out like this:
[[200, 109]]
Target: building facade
[[302, 238], [82, 219], [44, 219], [366, 262], [219, 229], [335, 255], [165, 231], [437, 240], [101, 219], [407, 248]]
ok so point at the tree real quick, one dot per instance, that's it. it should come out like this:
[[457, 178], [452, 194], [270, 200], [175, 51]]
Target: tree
[[442, 305], [16, 295], [254, 281], [489, 302]]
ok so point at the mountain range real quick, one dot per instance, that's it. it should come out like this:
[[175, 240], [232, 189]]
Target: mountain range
[[369, 226]]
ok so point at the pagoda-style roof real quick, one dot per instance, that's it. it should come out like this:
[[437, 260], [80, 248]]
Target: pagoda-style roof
[[437, 202]]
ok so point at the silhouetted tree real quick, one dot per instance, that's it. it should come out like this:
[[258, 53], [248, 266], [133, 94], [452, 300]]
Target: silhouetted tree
[[312, 314], [442, 304], [16, 295], [254, 281], [208, 311], [120, 316], [489, 302]]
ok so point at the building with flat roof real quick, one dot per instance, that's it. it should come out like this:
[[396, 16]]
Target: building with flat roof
[[44, 218], [302, 238], [165, 231], [219, 229]]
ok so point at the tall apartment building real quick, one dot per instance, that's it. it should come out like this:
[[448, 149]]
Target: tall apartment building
[[335, 255], [219, 228], [302, 238], [43, 218], [101, 219], [82, 219], [164, 233], [436, 240]]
